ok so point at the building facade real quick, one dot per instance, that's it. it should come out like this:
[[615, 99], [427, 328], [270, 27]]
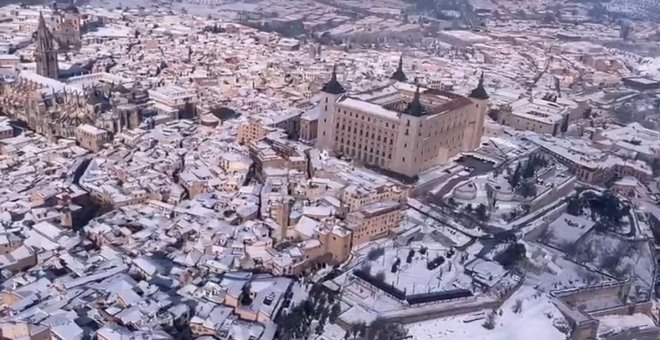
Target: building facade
[[252, 130], [66, 25], [374, 221], [173, 102], [537, 115], [92, 138], [400, 127], [309, 125]]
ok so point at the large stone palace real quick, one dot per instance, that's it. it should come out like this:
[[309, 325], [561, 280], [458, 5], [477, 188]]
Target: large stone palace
[[400, 127]]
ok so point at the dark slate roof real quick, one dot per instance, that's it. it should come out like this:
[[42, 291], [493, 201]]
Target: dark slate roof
[[71, 8], [479, 92], [398, 75], [333, 86], [415, 108]]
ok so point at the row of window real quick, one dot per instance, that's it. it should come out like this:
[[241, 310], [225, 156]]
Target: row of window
[[364, 157], [369, 232], [359, 147], [362, 117], [529, 126], [362, 133]]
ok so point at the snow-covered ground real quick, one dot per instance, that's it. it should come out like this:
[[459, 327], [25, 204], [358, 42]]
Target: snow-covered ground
[[650, 67], [415, 277], [566, 230], [634, 8], [535, 321], [560, 273], [429, 225], [616, 323], [330, 332], [620, 258]]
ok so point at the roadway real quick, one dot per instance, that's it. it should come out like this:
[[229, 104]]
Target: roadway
[[479, 168]]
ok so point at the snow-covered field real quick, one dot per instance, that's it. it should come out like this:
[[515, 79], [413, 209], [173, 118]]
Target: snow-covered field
[[650, 67], [535, 321], [634, 8], [561, 273], [566, 230], [615, 323], [415, 277], [620, 258]]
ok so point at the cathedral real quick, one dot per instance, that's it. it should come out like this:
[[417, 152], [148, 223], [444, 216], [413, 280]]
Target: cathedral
[[55, 109], [401, 127]]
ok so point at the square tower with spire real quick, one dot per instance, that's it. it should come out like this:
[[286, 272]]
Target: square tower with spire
[[45, 54]]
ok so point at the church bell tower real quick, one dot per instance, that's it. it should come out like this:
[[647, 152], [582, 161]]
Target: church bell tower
[[45, 53]]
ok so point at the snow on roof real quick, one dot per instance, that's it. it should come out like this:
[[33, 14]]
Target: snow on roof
[[129, 297], [379, 207], [318, 211], [91, 129], [616, 323], [146, 265], [539, 110], [9, 57], [634, 137], [628, 181], [110, 32], [47, 229], [307, 226], [367, 107], [50, 84]]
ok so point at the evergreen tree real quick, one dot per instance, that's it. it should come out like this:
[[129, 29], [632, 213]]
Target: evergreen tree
[[530, 167], [381, 329], [574, 206], [528, 189], [564, 125], [514, 179], [482, 213], [411, 254], [655, 166], [319, 329], [246, 299], [334, 313]]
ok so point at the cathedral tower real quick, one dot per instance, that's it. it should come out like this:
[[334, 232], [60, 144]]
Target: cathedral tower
[[45, 54]]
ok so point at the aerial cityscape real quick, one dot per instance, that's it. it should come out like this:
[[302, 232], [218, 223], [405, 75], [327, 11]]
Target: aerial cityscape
[[330, 169]]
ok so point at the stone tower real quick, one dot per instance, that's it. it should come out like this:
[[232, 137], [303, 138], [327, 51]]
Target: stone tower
[[330, 92], [66, 26], [45, 54], [480, 97]]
